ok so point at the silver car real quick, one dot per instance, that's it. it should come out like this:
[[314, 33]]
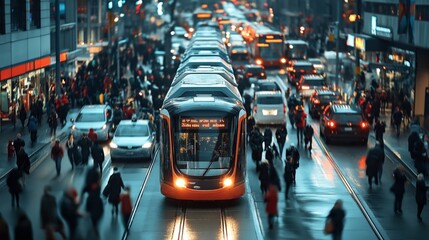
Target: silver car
[[97, 117], [133, 139], [269, 108]]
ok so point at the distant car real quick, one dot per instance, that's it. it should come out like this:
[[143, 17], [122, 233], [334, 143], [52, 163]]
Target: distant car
[[97, 117], [345, 122], [133, 139], [269, 108], [253, 70], [180, 32], [298, 68], [319, 100], [318, 65], [308, 83], [267, 85]]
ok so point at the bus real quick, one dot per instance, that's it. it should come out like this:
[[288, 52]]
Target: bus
[[201, 15], [202, 154], [266, 44], [296, 50]]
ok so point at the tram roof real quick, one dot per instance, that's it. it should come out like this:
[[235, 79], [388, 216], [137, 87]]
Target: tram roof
[[263, 28], [201, 104], [198, 61], [205, 70], [204, 39], [211, 85], [205, 53], [206, 48]]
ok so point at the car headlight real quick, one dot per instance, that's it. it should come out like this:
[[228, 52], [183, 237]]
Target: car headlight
[[74, 127], [147, 145], [113, 145], [104, 127]]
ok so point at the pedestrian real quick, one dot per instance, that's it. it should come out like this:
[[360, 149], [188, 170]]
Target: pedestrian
[[421, 155], [85, 146], [281, 134], [4, 229], [379, 129], [49, 218], [398, 188], [256, 140], [57, 154], [293, 153], [32, 128], [92, 135], [271, 199], [380, 159], [18, 143], [23, 164], [22, 115], [69, 210], [412, 139], [415, 125], [23, 228], [113, 190], [300, 123], [421, 189], [92, 178], [71, 147], [126, 206], [264, 176], [250, 126], [94, 206], [288, 175], [308, 137], [397, 119], [268, 136], [373, 158], [53, 122], [14, 184], [337, 216], [98, 155]]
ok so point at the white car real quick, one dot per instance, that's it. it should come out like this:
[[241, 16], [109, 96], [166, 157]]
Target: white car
[[133, 139], [97, 117], [269, 107]]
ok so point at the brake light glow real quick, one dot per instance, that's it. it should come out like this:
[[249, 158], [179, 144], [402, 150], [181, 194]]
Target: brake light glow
[[283, 60], [305, 87], [255, 109], [258, 61], [316, 101], [363, 125], [331, 124], [284, 108]]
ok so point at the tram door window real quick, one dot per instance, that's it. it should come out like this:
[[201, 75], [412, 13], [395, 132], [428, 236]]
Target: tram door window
[[165, 151]]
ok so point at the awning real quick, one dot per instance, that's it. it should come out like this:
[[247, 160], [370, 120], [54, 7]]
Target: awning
[[366, 43]]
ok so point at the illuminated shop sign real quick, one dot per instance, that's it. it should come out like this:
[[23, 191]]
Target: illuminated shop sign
[[203, 123], [379, 30]]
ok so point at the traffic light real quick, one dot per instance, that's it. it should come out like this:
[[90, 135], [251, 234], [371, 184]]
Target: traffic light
[[109, 5]]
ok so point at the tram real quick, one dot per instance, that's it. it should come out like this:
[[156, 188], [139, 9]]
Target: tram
[[203, 124]]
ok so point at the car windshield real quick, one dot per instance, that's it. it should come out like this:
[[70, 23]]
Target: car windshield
[[345, 118], [315, 61], [90, 117], [132, 131], [255, 70], [270, 100], [315, 83], [269, 87], [305, 68], [328, 98]]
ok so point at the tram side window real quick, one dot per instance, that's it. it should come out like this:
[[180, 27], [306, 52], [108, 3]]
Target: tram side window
[[165, 150], [241, 163]]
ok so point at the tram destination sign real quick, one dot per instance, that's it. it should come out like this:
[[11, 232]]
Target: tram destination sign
[[203, 123]]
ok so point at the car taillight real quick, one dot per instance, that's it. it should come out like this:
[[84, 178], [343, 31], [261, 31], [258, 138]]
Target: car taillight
[[284, 108], [305, 87], [363, 125], [316, 101], [255, 109], [331, 124]]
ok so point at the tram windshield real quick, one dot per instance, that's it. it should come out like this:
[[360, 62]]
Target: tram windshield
[[204, 146]]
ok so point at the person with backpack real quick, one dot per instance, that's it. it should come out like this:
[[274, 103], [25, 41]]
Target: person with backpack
[[300, 123], [98, 155], [308, 137], [57, 154], [293, 153]]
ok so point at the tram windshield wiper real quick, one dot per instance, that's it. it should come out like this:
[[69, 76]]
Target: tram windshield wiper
[[209, 166]]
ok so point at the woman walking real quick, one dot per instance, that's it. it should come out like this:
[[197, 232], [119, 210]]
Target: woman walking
[[398, 188], [336, 216], [113, 190], [421, 189], [71, 150], [57, 154], [15, 187]]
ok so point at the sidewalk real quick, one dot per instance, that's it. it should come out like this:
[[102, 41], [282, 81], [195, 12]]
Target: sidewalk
[[8, 132]]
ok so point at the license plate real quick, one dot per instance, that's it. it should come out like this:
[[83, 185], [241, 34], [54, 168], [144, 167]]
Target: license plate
[[348, 129], [130, 153], [269, 112]]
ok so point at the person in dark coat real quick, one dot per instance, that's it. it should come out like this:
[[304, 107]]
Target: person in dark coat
[[98, 155], [281, 134], [380, 159], [250, 126], [397, 119], [85, 147], [92, 178], [23, 163], [22, 115], [288, 175], [49, 218], [264, 176], [379, 129], [398, 188], [256, 140], [15, 187], [71, 147], [300, 123], [23, 228], [94, 206], [337, 216], [373, 159], [412, 139], [308, 137], [69, 210], [268, 136], [113, 190], [421, 189], [4, 229], [18, 143], [32, 128], [293, 153], [53, 123], [57, 154]]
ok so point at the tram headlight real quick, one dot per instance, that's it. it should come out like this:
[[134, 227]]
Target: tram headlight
[[283, 60], [180, 183], [227, 182]]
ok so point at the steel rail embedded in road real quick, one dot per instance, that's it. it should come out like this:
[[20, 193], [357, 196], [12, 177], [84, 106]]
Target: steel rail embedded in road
[[179, 225], [224, 224], [376, 227], [139, 198]]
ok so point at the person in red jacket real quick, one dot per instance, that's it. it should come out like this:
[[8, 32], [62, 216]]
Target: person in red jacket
[[300, 122], [271, 198], [126, 206], [92, 135]]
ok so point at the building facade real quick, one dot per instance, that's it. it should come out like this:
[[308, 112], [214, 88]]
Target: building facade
[[27, 44]]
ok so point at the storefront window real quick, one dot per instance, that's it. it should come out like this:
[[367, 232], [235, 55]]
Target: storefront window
[[17, 15], [34, 15]]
